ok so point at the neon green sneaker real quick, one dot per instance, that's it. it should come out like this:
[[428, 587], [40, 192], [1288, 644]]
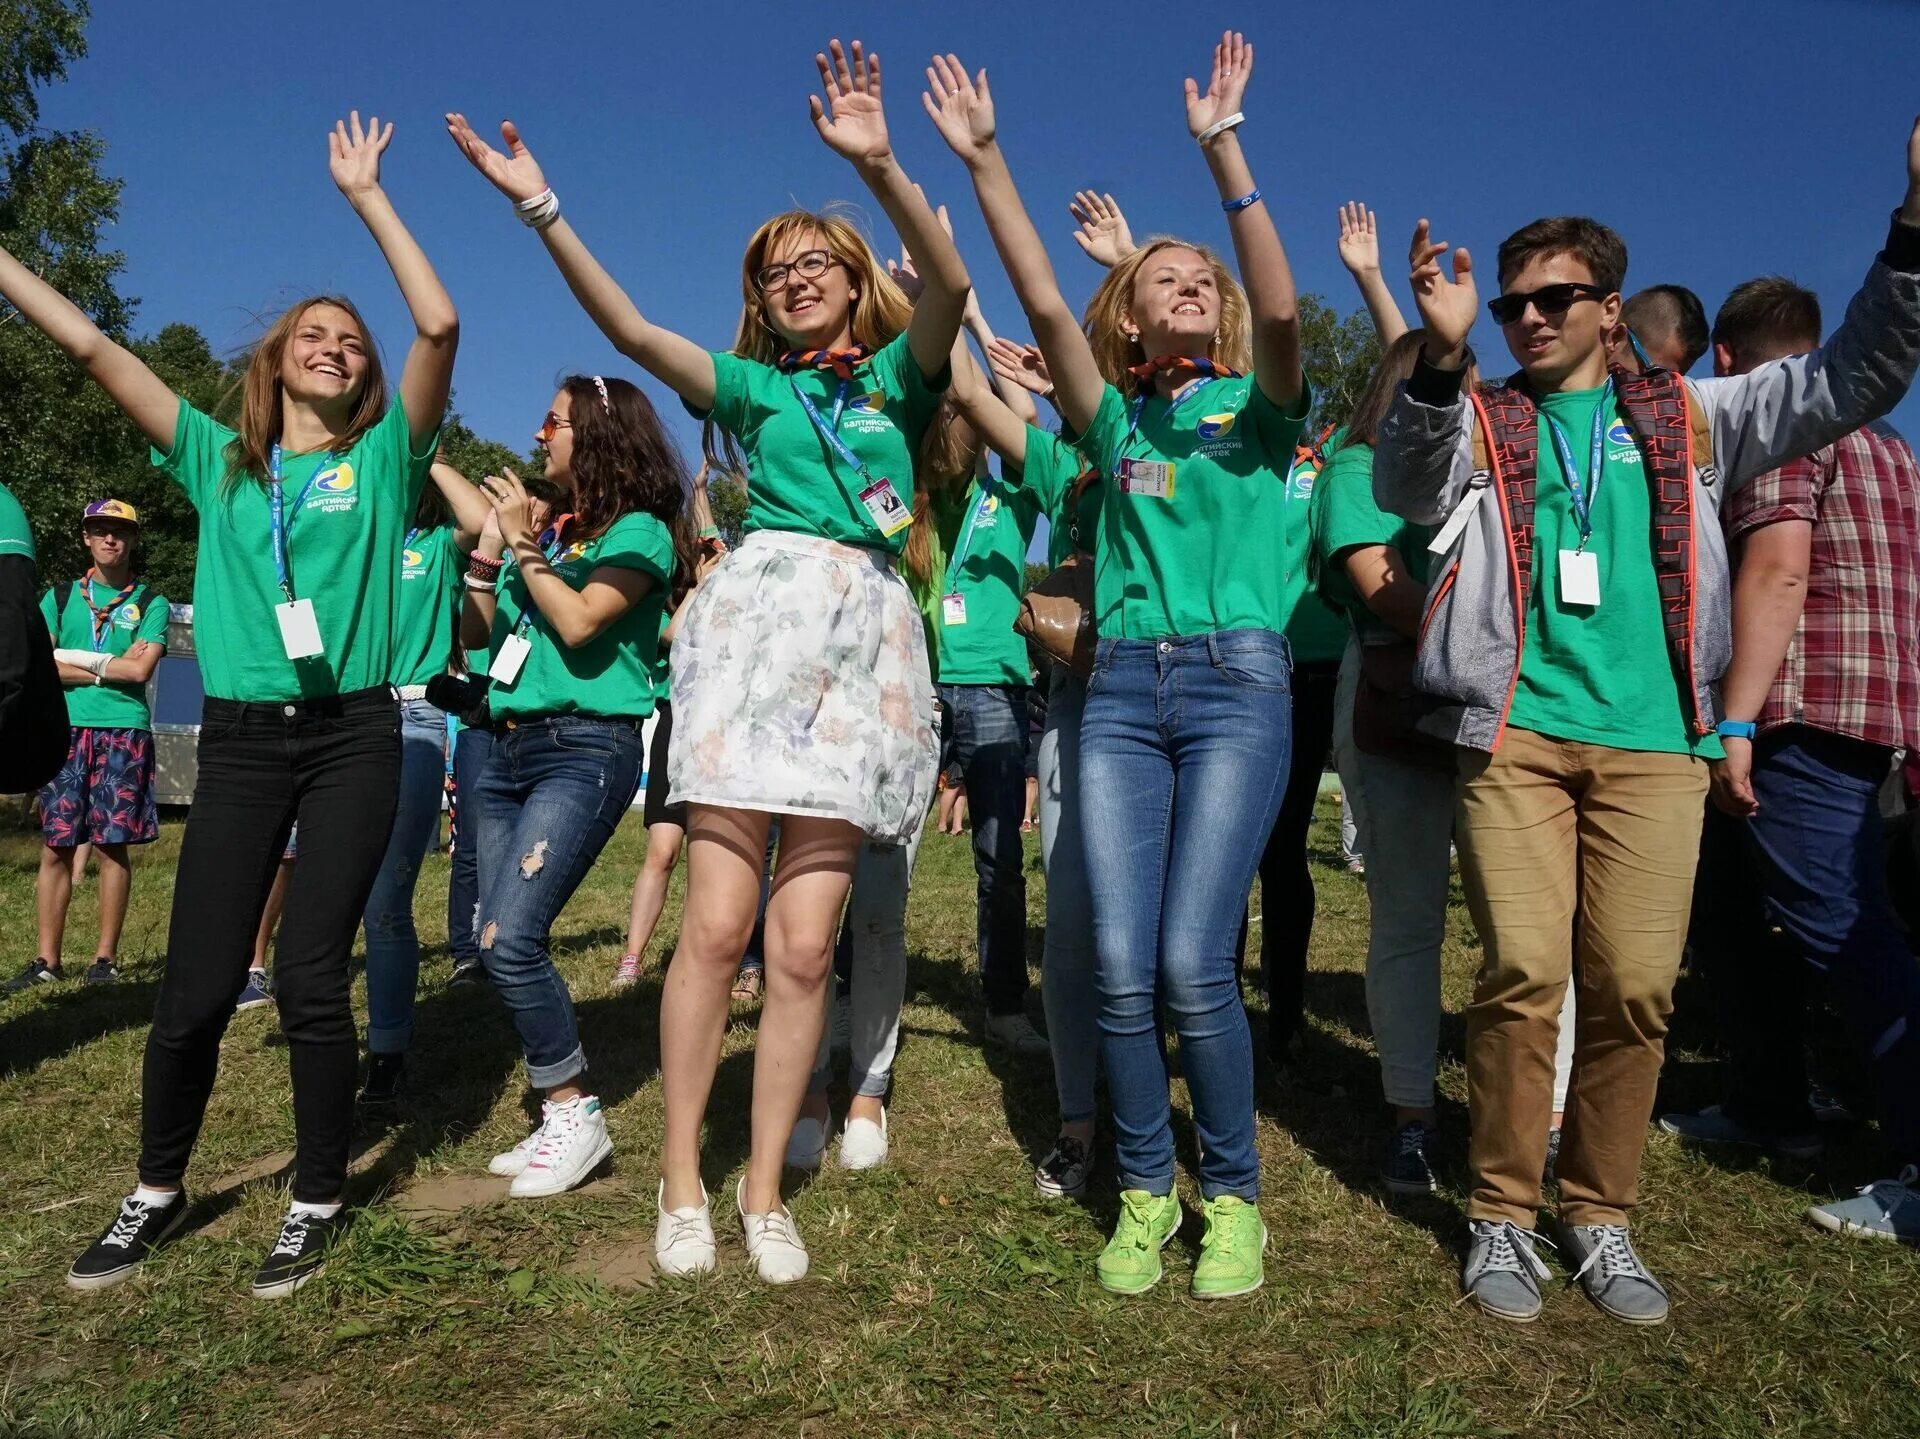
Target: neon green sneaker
[[1130, 1264], [1230, 1252]]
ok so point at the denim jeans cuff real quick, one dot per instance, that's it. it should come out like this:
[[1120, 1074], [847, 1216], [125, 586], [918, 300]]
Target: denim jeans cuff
[[392, 1039], [1155, 1184], [1248, 1192], [551, 1076], [872, 1085]]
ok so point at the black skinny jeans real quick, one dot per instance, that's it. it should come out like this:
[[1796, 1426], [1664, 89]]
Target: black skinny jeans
[[333, 764]]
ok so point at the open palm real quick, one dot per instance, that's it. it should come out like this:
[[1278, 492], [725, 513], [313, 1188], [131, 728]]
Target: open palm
[[516, 173], [851, 119], [961, 109], [1447, 306], [353, 153], [1226, 88]]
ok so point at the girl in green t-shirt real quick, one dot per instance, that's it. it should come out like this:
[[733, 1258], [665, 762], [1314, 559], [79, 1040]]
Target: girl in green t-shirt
[[303, 509], [800, 677], [1185, 739]]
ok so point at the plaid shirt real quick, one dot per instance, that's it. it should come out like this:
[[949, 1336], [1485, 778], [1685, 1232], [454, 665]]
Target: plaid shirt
[[1853, 667]]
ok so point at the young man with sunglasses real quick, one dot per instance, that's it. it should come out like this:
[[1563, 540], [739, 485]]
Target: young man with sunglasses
[[1577, 624]]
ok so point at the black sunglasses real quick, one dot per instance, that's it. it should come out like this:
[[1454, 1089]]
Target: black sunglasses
[[1549, 300]]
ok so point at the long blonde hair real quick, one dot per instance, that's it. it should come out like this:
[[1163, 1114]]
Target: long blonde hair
[[1115, 351], [262, 410], [881, 309], [943, 468]]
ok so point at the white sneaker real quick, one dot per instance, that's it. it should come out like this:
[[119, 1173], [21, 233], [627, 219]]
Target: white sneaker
[[1016, 1032], [682, 1238], [573, 1143], [807, 1145], [863, 1144], [515, 1159], [772, 1241]]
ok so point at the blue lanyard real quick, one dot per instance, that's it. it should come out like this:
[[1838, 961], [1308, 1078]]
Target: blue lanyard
[[550, 546], [1140, 404], [964, 545], [276, 508], [831, 431], [1583, 489]]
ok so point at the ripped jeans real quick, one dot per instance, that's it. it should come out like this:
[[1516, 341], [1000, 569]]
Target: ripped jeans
[[552, 794], [393, 945]]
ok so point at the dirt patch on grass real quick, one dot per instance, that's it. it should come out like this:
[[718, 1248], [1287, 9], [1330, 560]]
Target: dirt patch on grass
[[627, 1266], [450, 1193]]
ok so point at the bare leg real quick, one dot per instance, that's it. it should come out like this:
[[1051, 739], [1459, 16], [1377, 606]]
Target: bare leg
[[116, 886], [270, 916], [650, 885], [53, 892]]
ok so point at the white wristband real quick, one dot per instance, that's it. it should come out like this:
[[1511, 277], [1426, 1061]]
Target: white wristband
[[1220, 127], [540, 211], [484, 587]]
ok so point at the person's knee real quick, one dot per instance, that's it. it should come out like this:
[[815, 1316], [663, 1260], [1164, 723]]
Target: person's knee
[[661, 857], [1634, 998], [707, 937], [801, 954]]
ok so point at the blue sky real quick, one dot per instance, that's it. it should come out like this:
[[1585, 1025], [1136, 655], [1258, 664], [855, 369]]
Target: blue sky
[[1721, 140]]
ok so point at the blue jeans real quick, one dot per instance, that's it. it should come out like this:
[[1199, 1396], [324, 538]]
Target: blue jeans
[[986, 736], [393, 946], [472, 748], [551, 796], [1183, 761], [1822, 859], [1066, 966]]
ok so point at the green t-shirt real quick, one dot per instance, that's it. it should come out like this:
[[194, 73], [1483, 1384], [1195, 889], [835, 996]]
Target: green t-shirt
[[1599, 674], [343, 554], [800, 483], [143, 616], [982, 648], [430, 590], [1316, 632], [1204, 547], [16, 535], [611, 674], [1051, 467], [1345, 517]]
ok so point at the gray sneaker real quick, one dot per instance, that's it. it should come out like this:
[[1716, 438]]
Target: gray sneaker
[[1888, 1209], [1613, 1275], [1502, 1272], [1713, 1125], [1016, 1032]]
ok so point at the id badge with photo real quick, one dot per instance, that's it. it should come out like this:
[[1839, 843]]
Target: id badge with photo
[[953, 609], [509, 659], [883, 503], [1579, 578], [1151, 479], [299, 630]]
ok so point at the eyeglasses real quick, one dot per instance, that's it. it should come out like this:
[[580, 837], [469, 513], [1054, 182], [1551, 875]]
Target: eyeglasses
[[549, 425], [809, 265], [1549, 300]]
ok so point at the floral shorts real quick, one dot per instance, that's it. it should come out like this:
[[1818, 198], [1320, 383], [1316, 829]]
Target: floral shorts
[[103, 793], [801, 686]]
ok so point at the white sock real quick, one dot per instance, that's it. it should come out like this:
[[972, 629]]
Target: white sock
[[162, 1197], [318, 1211]]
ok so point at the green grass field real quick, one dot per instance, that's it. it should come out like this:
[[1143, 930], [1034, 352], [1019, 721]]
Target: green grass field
[[946, 1297]]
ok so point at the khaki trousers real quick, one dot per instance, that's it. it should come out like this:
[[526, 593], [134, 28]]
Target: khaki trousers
[[1575, 857]]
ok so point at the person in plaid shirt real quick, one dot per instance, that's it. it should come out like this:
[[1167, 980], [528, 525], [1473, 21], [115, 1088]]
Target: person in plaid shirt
[[1826, 668]]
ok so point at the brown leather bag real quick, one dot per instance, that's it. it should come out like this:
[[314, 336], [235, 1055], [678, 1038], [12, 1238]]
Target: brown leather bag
[[1387, 708], [1057, 613]]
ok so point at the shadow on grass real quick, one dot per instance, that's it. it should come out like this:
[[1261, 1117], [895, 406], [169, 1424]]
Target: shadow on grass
[[71, 1018]]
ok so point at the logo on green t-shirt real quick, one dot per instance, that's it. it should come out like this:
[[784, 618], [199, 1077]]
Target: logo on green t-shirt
[[333, 491]]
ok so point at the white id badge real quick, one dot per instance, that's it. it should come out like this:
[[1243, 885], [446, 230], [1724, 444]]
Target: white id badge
[[883, 503], [299, 630], [1579, 578], [1457, 521], [953, 609], [1151, 478], [509, 659]]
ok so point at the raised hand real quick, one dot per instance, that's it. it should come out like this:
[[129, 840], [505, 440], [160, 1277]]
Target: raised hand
[[1103, 232], [1020, 364], [851, 119], [903, 272], [515, 174], [962, 109], [1447, 307], [512, 507], [1910, 211], [1227, 87], [1359, 240], [353, 154]]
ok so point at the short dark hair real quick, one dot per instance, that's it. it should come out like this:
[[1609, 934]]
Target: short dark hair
[[1768, 317], [1603, 252], [1660, 311]]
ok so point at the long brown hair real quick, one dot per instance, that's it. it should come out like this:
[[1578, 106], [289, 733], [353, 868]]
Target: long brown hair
[[1114, 350], [625, 463], [1396, 364], [880, 309], [944, 467], [262, 408]]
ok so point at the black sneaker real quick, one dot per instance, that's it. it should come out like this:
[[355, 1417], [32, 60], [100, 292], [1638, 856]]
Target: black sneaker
[[466, 972], [39, 972], [1549, 1174], [1408, 1168], [1063, 1173], [380, 1093], [101, 971], [137, 1230], [299, 1254]]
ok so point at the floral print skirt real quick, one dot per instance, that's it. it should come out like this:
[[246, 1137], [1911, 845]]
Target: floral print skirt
[[801, 686]]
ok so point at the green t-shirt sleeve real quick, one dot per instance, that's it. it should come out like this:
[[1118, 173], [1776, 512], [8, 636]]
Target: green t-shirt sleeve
[[1047, 472], [1104, 433], [198, 460], [896, 371], [16, 535], [1344, 513], [51, 616], [1278, 429], [638, 542], [393, 436], [154, 614], [738, 393]]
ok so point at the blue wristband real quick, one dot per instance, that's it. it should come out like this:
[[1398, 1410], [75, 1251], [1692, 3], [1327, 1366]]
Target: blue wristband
[[1736, 729], [1245, 200]]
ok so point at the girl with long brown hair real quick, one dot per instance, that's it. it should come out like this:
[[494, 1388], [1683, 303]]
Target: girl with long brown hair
[[304, 510], [800, 675]]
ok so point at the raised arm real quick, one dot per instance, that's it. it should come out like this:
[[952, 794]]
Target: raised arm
[[672, 359], [1360, 253], [1103, 235], [469, 506], [1264, 271], [353, 158], [1003, 429], [574, 616], [854, 125], [140, 393], [962, 110]]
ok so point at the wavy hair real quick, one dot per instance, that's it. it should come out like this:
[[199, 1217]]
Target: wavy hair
[[1115, 352], [1396, 365], [942, 468], [624, 463], [262, 412]]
